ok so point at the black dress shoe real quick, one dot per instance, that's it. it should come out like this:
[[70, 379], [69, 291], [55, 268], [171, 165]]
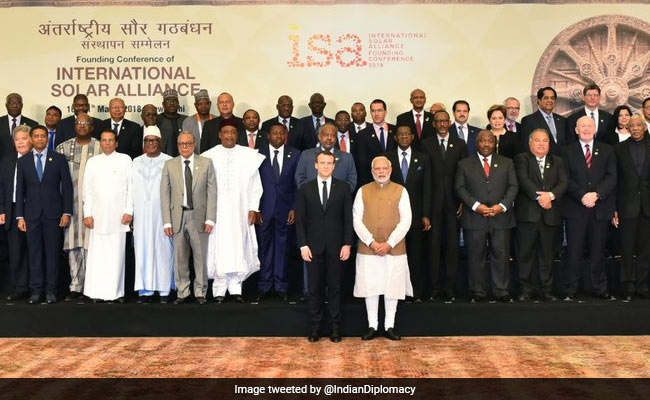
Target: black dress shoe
[[417, 300], [392, 335], [523, 298], [476, 299], [570, 298], [505, 299], [261, 296], [35, 299], [219, 299], [283, 296], [16, 296], [605, 296], [164, 299], [72, 296], [201, 300], [180, 300], [336, 336], [313, 337], [238, 299], [626, 299], [548, 297], [50, 299], [370, 334]]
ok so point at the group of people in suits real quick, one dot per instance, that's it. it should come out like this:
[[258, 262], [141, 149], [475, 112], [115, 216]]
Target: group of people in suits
[[539, 178]]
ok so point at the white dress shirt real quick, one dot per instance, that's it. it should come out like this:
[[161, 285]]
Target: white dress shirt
[[320, 187], [446, 140], [280, 155], [191, 165], [465, 130], [584, 149], [346, 139], [588, 113], [489, 161]]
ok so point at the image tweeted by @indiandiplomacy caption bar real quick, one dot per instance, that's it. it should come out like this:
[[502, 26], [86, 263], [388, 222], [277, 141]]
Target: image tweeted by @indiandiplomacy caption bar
[[326, 390]]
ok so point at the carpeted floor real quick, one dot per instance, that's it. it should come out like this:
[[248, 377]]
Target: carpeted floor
[[447, 357]]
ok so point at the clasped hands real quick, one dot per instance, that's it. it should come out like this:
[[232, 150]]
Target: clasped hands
[[544, 200], [589, 199], [486, 211]]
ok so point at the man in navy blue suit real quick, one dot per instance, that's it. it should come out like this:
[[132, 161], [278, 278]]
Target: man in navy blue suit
[[43, 208], [277, 210]]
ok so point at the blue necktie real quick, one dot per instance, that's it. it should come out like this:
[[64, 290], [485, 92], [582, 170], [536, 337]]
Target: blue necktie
[[405, 167], [39, 167], [381, 139], [276, 166], [51, 140]]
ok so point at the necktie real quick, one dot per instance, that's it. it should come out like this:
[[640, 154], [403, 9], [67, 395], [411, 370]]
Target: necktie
[[418, 125], [405, 167], [286, 136], [276, 166], [588, 156], [442, 147], [358, 128], [342, 145], [486, 166], [188, 184], [324, 195], [461, 134], [317, 125], [251, 140], [115, 128], [593, 116], [13, 126], [50, 143], [511, 127], [381, 139], [540, 163], [39, 167], [551, 126]]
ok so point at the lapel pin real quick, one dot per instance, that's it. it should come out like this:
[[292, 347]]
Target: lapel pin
[[373, 135], [451, 145], [337, 159], [426, 119], [50, 159], [496, 165], [288, 155], [548, 166], [416, 160]]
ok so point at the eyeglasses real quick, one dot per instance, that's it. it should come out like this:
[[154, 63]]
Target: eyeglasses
[[512, 108], [185, 144], [83, 123], [151, 141]]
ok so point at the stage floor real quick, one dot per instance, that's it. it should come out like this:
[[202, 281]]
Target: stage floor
[[273, 317]]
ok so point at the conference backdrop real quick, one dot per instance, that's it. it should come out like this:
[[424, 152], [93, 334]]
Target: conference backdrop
[[348, 52]]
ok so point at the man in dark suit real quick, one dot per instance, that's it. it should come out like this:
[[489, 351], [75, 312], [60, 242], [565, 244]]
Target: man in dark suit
[[358, 114], [588, 207], [420, 121], [129, 134], [461, 128], [545, 118], [542, 179], [512, 106], [311, 124], [43, 207], [81, 105], [487, 185], [633, 205], [602, 119], [52, 120], [254, 137], [17, 246], [347, 138], [293, 138], [210, 136], [325, 235], [413, 171], [10, 121], [170, 122], [375, 140], [445, 152], [277, 211]]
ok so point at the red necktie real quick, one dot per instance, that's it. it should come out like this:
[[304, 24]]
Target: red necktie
[[342, 144], [588, 156], [251, 140], [486, 166], [286, 134], [418, 125]]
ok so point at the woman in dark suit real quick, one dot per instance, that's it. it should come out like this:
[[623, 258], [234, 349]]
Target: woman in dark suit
[[507, 141], [618, 131]]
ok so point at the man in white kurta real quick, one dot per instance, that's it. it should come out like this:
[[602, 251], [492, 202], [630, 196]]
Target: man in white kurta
[[381, 216], [108, 211], [232, 245], [154, 251]]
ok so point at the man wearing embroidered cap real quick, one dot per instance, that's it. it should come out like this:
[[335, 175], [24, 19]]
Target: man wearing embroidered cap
[[170, 122], [194, 123]]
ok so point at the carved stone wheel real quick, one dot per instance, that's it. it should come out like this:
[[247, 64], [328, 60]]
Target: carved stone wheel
[[611, 50]]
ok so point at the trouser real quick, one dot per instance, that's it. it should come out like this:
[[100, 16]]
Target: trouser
[[535, 256], [77, 260], [18, 260], [44, 246], [190, 237], [415, 255], [230, 282], [635, 254], [143, 292], [372, 308], [593, 232], [325, 270], [444, 246], [478, 242], [273, 255]]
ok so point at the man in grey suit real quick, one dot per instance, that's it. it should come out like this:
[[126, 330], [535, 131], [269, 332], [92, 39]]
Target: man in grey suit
[[194, 123], [188, 193], [487, 183]]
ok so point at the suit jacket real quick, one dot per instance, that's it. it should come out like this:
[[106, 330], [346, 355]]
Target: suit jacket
[[6, 137], [52, 196], [345, 169], [294, 136], [354, 145], [191, 124], [324, 230], [517, 127], [7, 169], [210, 135], [369, 148], [129, 138], [601, 178], [530, 182], [444, 171], [168, 137], [426, 120], [261, 139], [65, 129], [611, 137], [471, 136], [499, 188], [279, 195], [604, 124], [204, 192], [419, 183], [536, 121], [309, 134], [633, 189]]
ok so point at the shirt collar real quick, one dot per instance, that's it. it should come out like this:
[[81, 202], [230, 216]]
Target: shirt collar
[[489, 158], [44, 152], [191, 159], [273, 149], [582, 144], [588, 112], [415, 113], [321, 180], [408, 152], [545, 114]]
